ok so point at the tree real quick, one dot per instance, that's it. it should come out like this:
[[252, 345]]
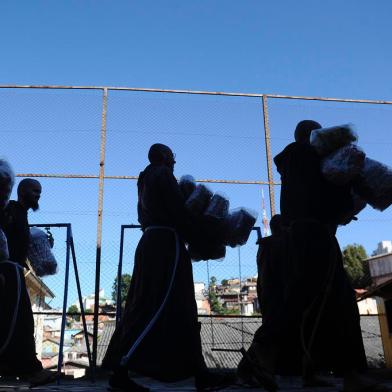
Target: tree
[[224, 282], [216, 306], [356, 266], [74, 309], [125, 283]]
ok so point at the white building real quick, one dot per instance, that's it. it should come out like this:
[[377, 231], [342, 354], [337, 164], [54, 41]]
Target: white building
[[203, 305], [39, 294], [383, 247], [89, 301], [367, 306]]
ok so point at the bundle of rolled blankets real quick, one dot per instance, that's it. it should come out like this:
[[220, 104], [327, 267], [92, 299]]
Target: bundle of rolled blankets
[[218, 226], [375, 184], [344, 163], [328, 140], [40, 254]]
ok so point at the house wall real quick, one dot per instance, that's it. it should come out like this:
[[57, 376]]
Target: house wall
[[381, 268]]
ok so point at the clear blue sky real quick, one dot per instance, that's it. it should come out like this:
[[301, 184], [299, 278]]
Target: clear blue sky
[[306, 47], [320, 48]]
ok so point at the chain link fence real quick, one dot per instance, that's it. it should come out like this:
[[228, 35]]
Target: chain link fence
[[87, 146]]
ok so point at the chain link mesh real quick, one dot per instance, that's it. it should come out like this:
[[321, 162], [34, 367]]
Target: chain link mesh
[[57, 132]]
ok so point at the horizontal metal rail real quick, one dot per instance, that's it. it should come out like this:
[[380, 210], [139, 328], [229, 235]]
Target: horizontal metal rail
[[95, 176], [217, 316], [199, 92]]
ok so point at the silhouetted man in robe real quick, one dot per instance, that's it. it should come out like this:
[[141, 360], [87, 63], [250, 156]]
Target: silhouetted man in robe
[[319, 300], [15, 220], [162, 289], [19, 357], [272, 291]]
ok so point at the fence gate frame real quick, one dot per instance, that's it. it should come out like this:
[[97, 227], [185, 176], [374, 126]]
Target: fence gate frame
[[70, 253]]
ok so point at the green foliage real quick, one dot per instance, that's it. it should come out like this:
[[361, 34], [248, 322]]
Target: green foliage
[[357, 268], [125, 283], [216, 306], [224, 282], [74, 309], [231, 311]]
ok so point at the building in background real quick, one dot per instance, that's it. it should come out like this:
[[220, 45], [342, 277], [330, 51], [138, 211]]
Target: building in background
[[383, 247], [40, 294], [238, 297], [106, 308], [203, 305], [380, 267], [89, 301]]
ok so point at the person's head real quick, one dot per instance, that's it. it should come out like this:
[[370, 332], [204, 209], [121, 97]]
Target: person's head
[[7, 179], [304, 129], [159, 154], [29, 193], [276, 224]]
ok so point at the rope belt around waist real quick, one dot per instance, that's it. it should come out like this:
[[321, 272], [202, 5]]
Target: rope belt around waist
[[149, 326], [18, 269]]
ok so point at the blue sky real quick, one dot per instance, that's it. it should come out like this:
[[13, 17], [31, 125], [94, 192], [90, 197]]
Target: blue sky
[[307, 47], [329, 48]]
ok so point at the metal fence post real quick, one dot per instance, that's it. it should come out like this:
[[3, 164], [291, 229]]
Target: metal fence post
[[99, 225], [269, 156], [64, 314], [119, 298]]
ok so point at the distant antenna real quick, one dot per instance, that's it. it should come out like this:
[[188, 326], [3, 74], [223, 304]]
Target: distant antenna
[[266, 226]]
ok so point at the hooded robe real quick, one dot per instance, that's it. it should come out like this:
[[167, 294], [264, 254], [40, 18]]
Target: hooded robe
[[172, 349]]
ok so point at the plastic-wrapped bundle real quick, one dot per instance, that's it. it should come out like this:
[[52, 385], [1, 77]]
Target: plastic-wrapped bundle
[[328, 140], [4, 255], [344, 165], [187, 185], [375, 184], [39, 253], [207, 251], [218, 207], [239, 224], [198, 200]]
